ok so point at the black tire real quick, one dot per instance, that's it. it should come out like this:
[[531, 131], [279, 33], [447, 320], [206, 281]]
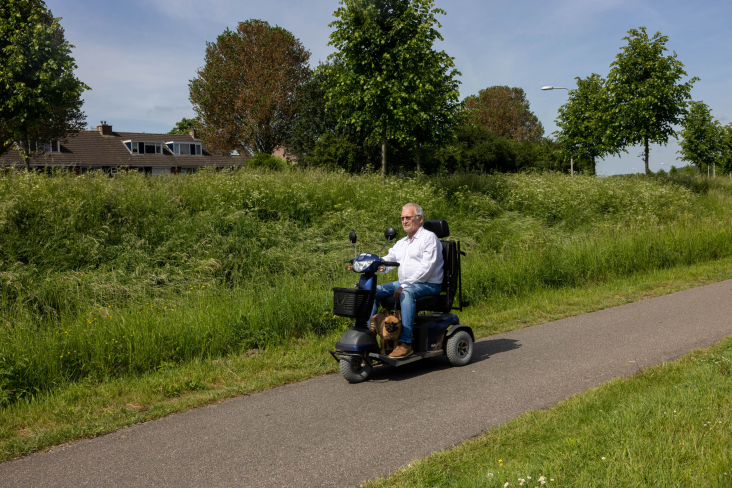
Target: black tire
[[355, 369], [459, 348]]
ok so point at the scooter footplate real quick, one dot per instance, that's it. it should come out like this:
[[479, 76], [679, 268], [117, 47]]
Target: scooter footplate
[[409, 359]]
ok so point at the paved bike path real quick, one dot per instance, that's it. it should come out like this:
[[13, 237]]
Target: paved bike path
[[326, 432]]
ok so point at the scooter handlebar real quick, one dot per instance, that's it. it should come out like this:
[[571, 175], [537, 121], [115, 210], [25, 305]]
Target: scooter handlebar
[[389, 263]]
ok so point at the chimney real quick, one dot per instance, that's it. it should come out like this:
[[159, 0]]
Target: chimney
[[193, 133], [104, 129]]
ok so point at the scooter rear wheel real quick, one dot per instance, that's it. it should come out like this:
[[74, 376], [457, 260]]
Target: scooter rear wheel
[[459, 348], [355, 369]]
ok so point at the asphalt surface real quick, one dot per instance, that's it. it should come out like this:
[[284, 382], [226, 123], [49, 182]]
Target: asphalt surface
[[326, 432]]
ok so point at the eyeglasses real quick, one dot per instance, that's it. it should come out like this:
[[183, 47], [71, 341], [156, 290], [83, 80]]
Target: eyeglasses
[[407, 219]]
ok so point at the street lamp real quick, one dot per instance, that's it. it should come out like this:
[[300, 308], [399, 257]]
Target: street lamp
[[571, 160]]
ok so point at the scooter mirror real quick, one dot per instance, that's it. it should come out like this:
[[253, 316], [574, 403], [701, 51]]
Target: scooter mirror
[[390, 234], [352, 237]]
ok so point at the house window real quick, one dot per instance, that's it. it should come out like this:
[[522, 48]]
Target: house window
[[51, 147], [150, 147], [144, 147], [185, 148]]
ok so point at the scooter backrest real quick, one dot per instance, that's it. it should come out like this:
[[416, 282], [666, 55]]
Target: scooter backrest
[[439, 227]]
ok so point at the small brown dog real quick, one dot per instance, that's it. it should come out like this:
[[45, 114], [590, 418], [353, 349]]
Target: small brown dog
[[388, 327]]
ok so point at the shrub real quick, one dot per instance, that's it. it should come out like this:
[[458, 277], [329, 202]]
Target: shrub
[[268, 161]]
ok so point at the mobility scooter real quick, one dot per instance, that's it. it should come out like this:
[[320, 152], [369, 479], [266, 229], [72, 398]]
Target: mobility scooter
[[437, 331]]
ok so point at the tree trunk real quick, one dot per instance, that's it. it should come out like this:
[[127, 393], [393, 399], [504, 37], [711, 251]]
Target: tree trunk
[[646, 143], [419, 157], [594, 165], [383, 153]]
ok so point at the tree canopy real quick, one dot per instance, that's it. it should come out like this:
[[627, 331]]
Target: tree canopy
[[701, 142], [725, 141], [316, 137], [646, 98], [184, 125], [40, 98], [389, 82], [504, 111], [582, 121], [246, 94]]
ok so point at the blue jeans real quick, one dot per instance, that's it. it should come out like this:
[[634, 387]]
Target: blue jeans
[[407, 301]]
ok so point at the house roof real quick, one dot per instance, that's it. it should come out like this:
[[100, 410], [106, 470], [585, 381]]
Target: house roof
[[92, 149]]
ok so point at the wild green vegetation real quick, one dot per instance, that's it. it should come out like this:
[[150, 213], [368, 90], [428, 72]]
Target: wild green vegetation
[[103, 278], [670, 425]]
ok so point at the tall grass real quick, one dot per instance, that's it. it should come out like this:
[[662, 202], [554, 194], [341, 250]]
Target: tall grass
[[102, 277]]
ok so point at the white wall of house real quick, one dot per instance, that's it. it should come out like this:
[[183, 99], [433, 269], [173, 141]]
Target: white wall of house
[[160, 171]]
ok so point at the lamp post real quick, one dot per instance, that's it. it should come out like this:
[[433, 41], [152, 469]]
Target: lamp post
[[571, 159]]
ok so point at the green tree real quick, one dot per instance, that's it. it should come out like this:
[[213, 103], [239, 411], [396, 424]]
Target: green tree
[[246, 95], [183, 126], [701, 142], [389, 80], [582, 122], [316, 138], [725, 142], [313, 120], [505, 111], [477, 148], [646, 98], [40, 98]]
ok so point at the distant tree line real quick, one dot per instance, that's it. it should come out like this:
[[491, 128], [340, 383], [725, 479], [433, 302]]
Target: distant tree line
[[640, 103], [385, 94]]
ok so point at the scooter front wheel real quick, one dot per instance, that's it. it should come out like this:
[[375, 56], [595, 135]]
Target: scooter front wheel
[[355, 369]]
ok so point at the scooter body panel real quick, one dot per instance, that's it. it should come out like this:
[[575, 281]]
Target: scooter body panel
[[357, 339], [430, 330]]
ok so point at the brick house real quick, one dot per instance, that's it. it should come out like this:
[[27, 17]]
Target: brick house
[[106, 150]]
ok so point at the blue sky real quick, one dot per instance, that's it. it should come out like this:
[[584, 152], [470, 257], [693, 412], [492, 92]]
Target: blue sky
[[137, 56]]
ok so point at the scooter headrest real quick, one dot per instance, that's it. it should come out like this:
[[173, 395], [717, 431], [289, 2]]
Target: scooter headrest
[[439, 227]]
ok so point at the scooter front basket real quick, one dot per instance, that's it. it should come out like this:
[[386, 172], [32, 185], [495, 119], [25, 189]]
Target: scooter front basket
[[351, 302]]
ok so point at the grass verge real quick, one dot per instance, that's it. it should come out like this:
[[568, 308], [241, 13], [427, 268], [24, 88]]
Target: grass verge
[[93, 407], [668, 425]]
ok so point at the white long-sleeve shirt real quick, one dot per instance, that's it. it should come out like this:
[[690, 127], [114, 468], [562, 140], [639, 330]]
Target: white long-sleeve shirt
[[420, 260]]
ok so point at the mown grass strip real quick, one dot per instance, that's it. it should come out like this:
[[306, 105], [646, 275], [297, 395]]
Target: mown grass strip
[[90, 408], [666, 426]]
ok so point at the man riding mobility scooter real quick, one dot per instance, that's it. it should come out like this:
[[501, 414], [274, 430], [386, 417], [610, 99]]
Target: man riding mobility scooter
[[437, 331]]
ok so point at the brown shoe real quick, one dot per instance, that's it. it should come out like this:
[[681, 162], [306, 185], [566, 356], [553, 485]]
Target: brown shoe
[[401, 351]]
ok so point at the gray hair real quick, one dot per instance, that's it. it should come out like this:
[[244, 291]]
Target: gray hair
[[417, 209]]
